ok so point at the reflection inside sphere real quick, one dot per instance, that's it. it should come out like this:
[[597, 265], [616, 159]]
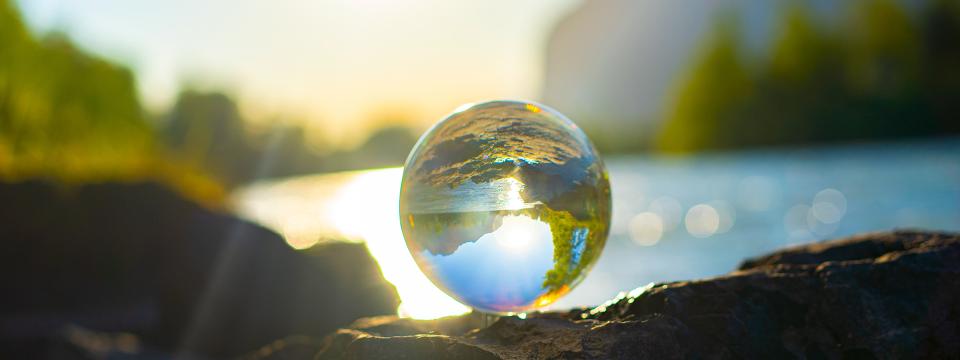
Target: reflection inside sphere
[[505, 205]]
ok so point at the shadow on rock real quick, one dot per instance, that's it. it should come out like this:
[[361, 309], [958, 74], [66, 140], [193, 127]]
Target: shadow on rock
[[85, 267]]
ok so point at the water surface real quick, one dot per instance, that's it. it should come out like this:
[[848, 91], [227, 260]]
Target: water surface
[[674, 218]]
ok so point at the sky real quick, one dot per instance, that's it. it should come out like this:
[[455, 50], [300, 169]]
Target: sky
[[337, 65]]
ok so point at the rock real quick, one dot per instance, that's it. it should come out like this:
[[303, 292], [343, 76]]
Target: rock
[[183, 279], [881, 295]]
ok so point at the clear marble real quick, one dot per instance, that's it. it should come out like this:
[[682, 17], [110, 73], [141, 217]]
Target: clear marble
[[505, 205]]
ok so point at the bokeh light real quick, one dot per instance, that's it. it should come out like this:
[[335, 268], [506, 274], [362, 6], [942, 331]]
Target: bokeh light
[[670, 211], [829, 206], [646, 228], [727, 215], [359, 206], [702, 220], [366, 208]]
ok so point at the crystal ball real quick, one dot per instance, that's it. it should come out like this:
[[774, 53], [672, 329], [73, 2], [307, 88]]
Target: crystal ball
[[505, 205]]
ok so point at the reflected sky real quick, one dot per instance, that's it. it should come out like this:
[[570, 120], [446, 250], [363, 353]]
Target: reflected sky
[[505, 266]]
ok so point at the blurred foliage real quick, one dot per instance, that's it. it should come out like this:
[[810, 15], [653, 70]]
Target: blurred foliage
[[206, 130], [880, 72], [61, 109], [386, 146], [73, 117], [883, 72]]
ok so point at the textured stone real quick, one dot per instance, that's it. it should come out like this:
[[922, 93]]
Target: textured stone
[[880, 295], [183, 279]]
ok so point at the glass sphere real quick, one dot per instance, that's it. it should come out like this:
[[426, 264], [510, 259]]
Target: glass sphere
[[505, 205]]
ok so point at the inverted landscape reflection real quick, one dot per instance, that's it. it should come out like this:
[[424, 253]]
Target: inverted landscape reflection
[[753, 203], [505, 206], [505, 266]]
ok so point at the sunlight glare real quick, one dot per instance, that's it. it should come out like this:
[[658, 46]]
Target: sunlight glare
[[513, 200], [516, 233], [366, 208]]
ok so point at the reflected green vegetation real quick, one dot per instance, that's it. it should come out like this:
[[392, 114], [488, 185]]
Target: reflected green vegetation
[[880, 73], [570, 266]]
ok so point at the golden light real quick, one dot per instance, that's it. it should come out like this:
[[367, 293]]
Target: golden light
[[366, 208], [549, 298], [357, 206], [511, 196]]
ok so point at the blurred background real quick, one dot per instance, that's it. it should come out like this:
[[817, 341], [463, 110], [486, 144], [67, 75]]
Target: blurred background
[[202, 178]]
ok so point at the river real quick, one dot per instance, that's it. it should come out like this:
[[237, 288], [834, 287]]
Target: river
[[674, 218]]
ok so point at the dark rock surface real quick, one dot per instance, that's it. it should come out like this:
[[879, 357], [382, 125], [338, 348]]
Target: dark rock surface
[[82, 266], [880, 295]]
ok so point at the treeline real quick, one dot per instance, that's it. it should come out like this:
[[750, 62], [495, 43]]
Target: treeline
[[881, 72], [70, 116], [206, 130]]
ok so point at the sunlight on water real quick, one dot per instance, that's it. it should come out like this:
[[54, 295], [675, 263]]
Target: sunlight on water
[[674, 219], [366, 208], [358, 206]]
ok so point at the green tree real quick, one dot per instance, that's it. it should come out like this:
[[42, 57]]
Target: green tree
[[881, 73], [940, 67], [65, 113], [717, 87], [800, 86]]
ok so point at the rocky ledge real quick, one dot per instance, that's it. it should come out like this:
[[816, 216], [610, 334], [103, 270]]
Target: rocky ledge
[[879, 295]]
